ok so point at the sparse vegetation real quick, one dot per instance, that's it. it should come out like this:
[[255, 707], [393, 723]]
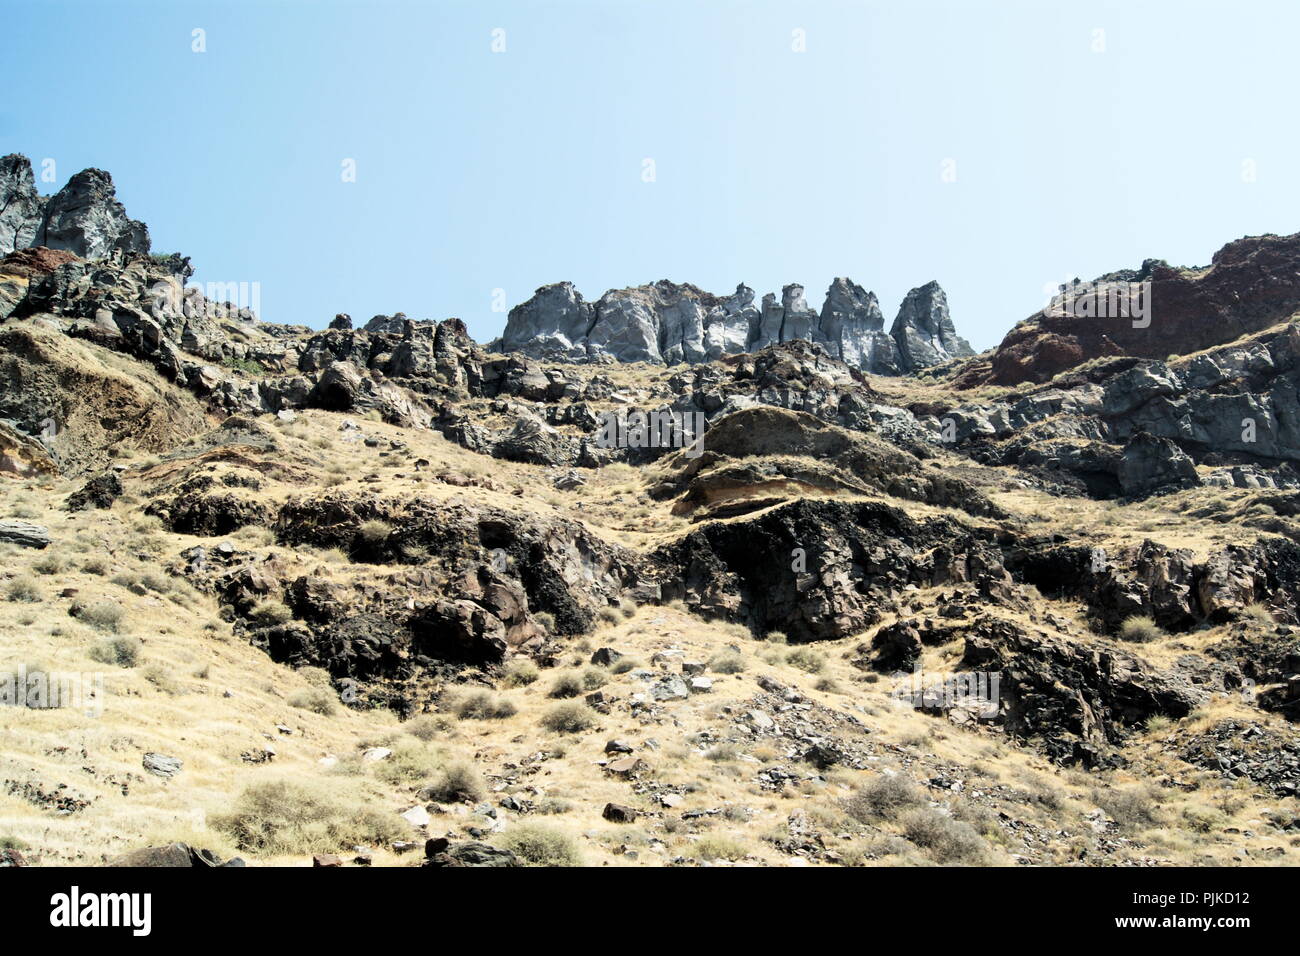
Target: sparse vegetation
[[883, 798], [276, 817], [1139, 629], [541, 845], [318, 700], [120, 651], [482, 705], [570, 718]]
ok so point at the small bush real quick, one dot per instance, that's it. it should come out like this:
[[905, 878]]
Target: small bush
[[593, 678], [716, 846], [722, 752], [270, 613], [568, 684], [409, 763], [456, 783], [160, 677], [883, 798], [520, 673], [828, 685], [569, 718], [609, 615], [423, 728], [97, 566], [287, 816], [807, 660], [776, 637], [1259, 612], [1140, 630], [120, 651], [48, 564], [727, 662], [318, 700], [23, 590], [374, 532], [542, 846], [1133, 808], [101, 615], [481, 705], [944, 839]]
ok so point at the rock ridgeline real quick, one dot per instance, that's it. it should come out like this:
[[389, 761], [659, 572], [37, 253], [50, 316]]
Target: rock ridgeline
[[1251, 284], [671, 323], [84, 217]]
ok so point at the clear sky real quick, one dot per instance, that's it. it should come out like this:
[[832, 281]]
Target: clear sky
[[1075, 152]]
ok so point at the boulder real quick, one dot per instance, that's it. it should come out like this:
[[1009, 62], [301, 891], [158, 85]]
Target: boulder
[[24, 533]]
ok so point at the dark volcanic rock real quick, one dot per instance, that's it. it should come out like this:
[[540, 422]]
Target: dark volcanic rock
[[1077, 700], [820, 569], [1154, 464], [99, 492], [85, 218]]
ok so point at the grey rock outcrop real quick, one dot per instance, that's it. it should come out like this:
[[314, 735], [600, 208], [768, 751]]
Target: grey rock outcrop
[[21, 208], [852, 327], [671, 323], [84, 217], [924, 332], [1150, 463]]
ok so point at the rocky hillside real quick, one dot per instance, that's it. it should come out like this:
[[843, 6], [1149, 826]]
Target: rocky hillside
[[384, 595]]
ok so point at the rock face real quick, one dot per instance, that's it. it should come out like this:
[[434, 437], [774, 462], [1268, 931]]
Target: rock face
[[84, 217], [1151, 463], [21, 207], [669, 323], [1251, 284], [924, 331]]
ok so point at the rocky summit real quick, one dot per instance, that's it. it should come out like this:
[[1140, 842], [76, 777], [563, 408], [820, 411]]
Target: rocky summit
[[673, 324], [667, 578]]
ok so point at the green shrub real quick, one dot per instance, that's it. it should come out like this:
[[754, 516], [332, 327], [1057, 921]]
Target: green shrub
[[48, 564], [570, 718], [456, 783], [520, 673], [24, 590], [944, 839], [374, 532], [883, 798], [727, 662], [717, 846], [806, 659], [318, 700], [568, 684], [270, 613], [1140, 630], [101, 615], [482, 705], [283, 816], [542, 846], [423, 728], [121, 651]]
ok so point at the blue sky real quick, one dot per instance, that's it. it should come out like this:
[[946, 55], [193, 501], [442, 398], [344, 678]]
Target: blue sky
[[1075, 152]]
